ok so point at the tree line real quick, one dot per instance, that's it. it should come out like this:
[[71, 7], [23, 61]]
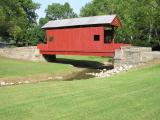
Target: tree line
[[140, 20]]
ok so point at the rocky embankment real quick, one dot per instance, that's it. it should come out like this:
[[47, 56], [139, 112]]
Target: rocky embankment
[[108, 73]]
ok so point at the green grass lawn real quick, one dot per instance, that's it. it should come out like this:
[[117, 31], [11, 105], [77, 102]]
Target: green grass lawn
[[11, 67], [89, 58], [134, 95]]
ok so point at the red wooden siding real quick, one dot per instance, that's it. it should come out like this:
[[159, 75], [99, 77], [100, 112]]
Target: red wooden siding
[[75, 39], [78, 41]]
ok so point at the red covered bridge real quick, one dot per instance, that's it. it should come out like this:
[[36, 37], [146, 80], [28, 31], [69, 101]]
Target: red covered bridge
[[81, 36]]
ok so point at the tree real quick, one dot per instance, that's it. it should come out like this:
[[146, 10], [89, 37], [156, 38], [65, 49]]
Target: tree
[[57, 11], [34, 35], [140, 19], [15, 17], [43, 21]]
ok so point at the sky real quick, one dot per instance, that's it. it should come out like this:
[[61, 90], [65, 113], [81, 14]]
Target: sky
[[75, 4]]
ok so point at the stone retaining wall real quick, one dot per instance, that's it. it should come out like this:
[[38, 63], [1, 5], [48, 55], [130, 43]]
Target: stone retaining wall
[[24, 53], [132, 55], [124, 56]]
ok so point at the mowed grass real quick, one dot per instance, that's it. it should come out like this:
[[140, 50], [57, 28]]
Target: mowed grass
[[11, 67], [86, 58], [134, 95]]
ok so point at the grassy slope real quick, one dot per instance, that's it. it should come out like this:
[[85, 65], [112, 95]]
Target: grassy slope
[[11, 67], [134, 95]]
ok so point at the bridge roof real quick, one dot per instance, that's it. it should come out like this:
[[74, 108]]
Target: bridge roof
[[84, 21]]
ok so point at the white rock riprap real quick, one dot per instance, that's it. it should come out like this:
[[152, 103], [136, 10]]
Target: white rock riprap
[[2, 83], [110, 73]]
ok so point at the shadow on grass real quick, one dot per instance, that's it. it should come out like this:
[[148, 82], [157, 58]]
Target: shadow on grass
[[83, 63]]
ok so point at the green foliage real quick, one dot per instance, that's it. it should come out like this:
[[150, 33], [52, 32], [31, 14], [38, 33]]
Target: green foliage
[[140, 19], [34, 35], [57, 11], [16, 16], [43, 21]]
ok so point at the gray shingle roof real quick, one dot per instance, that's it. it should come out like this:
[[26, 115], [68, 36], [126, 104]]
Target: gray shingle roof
[[94, 20]]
